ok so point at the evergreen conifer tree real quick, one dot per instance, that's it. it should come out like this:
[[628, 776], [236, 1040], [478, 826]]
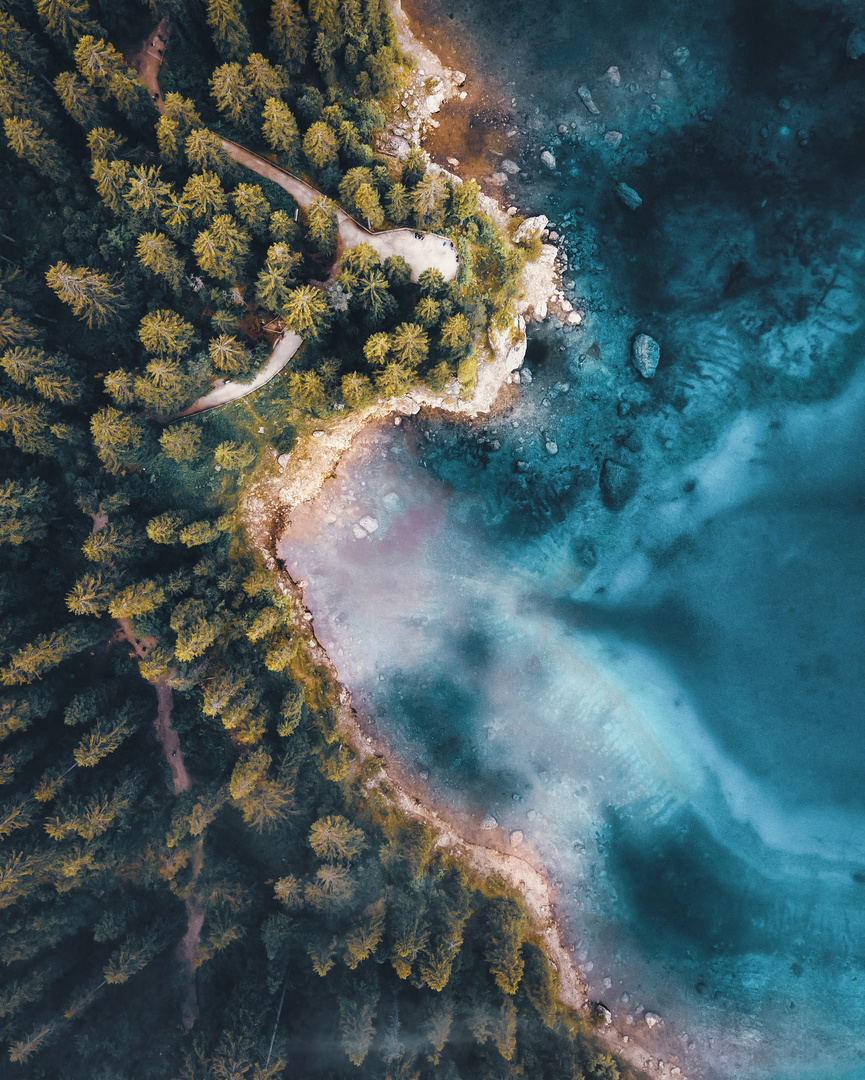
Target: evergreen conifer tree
[[94, 298], [232, 93], [280, 128], [78, 100], [228, 29], [289, 33], [29, 141]]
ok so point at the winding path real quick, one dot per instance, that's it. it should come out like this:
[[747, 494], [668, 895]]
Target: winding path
[[422, 251]]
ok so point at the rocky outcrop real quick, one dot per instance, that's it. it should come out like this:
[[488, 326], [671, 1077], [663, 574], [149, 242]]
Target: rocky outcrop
[[856, 43], [585, 95], [618, 484], [548, 160], [646, 353], [531, 227], [628, 196]]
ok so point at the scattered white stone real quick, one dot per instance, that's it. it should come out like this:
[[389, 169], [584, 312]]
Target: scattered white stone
[[574, 318], [368, 523], [646, 354], [613, 74], [562, 128], [511, 211], [511, 167], [552, 448], [463, 95], [613, 138], [605, 1015], [548, 160], [585, 95], [516, 837], [453, 161], [499, 178], [261, 431], [652, 1019], [489, 822], [317, 434], [217, 468], [282, 460], [360, 534], [525, 376], [459, 77], [397, 420]]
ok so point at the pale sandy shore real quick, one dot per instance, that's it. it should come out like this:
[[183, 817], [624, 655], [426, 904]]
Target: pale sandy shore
[[299, 477]]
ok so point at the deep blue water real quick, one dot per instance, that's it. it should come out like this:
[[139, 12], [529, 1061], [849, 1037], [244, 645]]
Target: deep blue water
[[660, 688]]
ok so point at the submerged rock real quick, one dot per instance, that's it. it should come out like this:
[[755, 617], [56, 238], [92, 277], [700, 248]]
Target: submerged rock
[[614, 75], [548, 160], [618, 484], [628, 196], [511, 167], [613, 138], [585, 95], [652, 1019], [856, 43], [646, 353]]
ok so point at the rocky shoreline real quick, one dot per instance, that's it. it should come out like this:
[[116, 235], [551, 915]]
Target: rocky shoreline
[[298, 477]]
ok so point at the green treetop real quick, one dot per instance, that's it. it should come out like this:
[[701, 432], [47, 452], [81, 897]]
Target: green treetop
[[161, 257], [222, 249], [146, 194], [398, 203], [65, 20], [78, 99], [228, 355], [252, 207], [204, 196], [263, 78], [105, 143], [289, 32], [320, 145], [19, 95], [232, 93], [228, 28], [165, 333], [111, 179], [410, 344], [29, 141], [321, 224], [204, 150], [94, 298], [307, 312], [280, 128], [18, 42]]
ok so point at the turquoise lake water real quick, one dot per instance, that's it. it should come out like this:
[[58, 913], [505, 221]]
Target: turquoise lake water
[[661, 686]]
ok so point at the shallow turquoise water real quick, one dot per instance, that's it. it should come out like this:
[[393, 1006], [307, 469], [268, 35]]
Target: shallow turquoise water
[[663, 693]]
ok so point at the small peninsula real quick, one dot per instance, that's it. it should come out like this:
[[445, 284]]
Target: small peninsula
[[205, 869]]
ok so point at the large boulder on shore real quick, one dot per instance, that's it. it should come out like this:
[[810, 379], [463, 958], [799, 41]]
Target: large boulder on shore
[[646, 353], [531, 228], [618, 484]]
